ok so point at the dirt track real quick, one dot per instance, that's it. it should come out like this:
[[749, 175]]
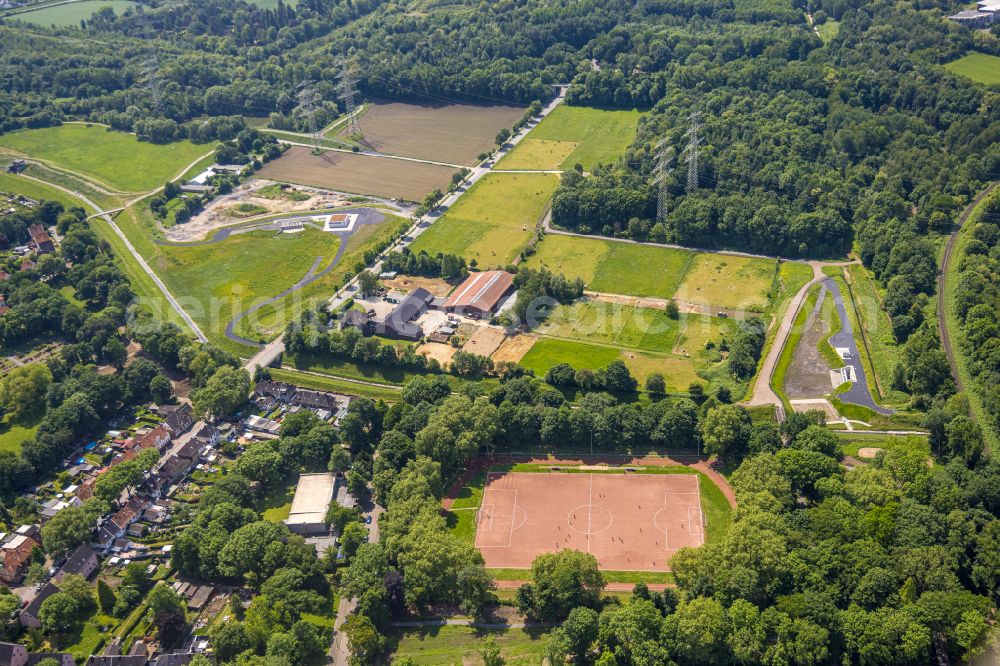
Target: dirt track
[[943, 279]]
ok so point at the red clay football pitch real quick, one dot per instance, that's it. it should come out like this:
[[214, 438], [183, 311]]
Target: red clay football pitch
[[629, 522]]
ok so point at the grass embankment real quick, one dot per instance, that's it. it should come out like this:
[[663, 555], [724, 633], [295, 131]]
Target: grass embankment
[[957, 334], [386, 392], [831, 320], [572, 135], [896, 421], [872, 333], [113, 159], [493, 221]]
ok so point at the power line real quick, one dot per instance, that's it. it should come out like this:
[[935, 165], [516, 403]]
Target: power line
[[691, 151], [309, 100], [661, 172], [347, 92]]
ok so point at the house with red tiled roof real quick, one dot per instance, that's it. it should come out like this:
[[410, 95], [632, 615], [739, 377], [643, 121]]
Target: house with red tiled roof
[[15, 556], [27, 265], [157, 438]]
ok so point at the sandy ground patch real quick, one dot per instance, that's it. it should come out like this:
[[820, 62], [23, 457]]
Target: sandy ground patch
[[485, 341], [514, 348], [437, 350], [868, 451], [408, 283], [818, 404], [217, 213]]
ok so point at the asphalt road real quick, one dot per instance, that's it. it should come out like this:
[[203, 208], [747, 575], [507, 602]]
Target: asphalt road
[[859, 393]]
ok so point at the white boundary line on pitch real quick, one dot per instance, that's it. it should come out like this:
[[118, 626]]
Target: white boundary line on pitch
[[513, 512]]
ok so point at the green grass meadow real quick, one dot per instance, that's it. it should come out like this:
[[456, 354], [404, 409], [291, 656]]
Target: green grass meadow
[[33, 189], [115, 159], [12, 435], [434, 646], [71, 14], [493, 221], [612, 266], [979, 67], [546, 352], [220, 280], [728, 281], [573, 135]]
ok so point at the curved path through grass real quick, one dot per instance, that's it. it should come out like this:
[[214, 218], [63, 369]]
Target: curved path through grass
[[365, 216]]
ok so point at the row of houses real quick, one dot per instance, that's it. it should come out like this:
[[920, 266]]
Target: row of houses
[[270, 394]]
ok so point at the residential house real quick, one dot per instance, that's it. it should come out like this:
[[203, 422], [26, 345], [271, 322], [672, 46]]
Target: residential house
[[62, 658], [356, 319], [14, 654], [83, 562], [278, 390], [176, 417], [27, 265], [29, 616], [115, 526], [15, 556], [40, 238], [54, 506], [158, 437]]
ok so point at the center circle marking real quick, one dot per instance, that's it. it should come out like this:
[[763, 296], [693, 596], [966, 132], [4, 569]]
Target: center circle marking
[[589, 519]]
